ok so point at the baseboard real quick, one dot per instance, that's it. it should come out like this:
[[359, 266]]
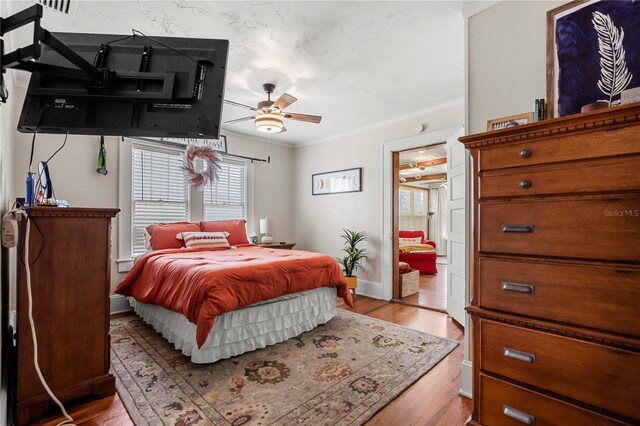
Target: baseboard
[[466, 374], [118, 304], [370, 289]]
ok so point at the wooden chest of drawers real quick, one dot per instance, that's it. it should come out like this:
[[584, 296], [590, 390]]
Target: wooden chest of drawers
[[70, 279], [556, 271]]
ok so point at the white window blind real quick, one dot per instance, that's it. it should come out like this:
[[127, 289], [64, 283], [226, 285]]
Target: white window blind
[[159, 189], [227, 198], [413, 209]]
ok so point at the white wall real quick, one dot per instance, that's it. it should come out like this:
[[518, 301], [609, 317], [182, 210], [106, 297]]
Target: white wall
[[321, 218], [507, 60], [506, 71], [7, 259], [73, 172], [272, 184]]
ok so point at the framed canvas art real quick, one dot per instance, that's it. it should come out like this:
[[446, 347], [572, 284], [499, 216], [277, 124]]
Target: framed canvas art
[[593, 54], [219, 144], [349, 180], [510, 121]]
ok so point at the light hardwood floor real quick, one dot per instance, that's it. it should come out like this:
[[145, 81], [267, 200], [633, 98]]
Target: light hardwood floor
[[432, 291], [432, 400]]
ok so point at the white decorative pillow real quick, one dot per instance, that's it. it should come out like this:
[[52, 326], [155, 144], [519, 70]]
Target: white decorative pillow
[[147, 241], [204, 239], [415, 240]]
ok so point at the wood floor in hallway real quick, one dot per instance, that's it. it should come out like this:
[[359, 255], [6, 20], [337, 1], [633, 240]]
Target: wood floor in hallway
[[432, 292]]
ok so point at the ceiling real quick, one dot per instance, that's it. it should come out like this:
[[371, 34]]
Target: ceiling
[[355, 63], [420, 155]]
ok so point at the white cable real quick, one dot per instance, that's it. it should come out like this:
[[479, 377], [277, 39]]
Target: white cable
[[69, 419]]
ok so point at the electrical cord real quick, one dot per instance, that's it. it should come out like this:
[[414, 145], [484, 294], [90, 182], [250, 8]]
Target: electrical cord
[[137, 32], [95, 58], [21, 247], [33, 145], [69, 419]]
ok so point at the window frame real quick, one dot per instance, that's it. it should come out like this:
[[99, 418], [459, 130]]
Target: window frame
[[413, 190], [195, 204]]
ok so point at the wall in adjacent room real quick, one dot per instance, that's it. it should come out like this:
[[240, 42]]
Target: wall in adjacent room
[[507, 60], [73, 172], [321, 218]]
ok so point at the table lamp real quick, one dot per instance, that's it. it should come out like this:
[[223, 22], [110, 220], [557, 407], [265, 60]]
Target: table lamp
[[265, 229]]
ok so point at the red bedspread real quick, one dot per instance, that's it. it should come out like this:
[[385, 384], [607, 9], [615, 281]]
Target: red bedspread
[[202, 284]]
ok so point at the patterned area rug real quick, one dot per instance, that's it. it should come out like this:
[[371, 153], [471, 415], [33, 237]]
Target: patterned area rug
[[340, 373]]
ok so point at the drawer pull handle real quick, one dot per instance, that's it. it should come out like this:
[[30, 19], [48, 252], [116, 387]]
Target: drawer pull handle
[[524, 184], [525, 153], [520, 416], [520, 288], [517, 228], [519, 355]]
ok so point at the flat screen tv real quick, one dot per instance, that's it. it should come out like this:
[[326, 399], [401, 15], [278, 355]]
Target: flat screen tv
[[181, 94]]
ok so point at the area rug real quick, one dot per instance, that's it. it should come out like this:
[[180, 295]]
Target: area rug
[[340, 373]]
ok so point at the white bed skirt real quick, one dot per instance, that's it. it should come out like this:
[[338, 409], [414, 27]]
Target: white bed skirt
[[246, 329]]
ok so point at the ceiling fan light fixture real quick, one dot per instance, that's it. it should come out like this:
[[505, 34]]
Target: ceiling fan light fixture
[[269, 123]]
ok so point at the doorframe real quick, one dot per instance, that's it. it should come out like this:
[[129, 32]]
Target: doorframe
[[412, 142]]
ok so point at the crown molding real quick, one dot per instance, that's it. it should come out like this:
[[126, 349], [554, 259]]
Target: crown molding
[[385, 123], [472, 7]]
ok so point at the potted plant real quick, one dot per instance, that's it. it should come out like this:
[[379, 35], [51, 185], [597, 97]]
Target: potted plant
[[354, 256]]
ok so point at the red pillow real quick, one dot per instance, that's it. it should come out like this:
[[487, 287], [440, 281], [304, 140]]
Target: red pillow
[[163, 235], [235, 227]]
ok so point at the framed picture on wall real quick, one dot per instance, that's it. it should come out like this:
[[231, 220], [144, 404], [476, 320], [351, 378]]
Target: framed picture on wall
[[339, 181], [593, 54], [510, 121], [219, 144]]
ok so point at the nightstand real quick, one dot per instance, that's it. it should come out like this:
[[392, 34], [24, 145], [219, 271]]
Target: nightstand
[[283, 246]]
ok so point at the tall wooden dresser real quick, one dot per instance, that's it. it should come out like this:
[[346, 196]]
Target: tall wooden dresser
[[556, 271], [70, 280]]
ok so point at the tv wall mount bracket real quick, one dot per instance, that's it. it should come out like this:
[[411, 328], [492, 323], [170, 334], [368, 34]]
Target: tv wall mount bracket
[[98, 80]]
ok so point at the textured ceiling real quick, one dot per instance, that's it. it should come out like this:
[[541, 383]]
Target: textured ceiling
[[354, 63]]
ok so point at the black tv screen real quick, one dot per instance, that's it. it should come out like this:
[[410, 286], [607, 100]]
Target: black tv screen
[[181, 95]]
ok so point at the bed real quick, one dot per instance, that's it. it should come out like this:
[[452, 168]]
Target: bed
[[217, 302]]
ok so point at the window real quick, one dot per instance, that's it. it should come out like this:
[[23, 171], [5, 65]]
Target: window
[[227, 199], [413, 209], [159, 193]]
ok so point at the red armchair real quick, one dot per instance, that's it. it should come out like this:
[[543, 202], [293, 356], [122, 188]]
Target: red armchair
[[423, 262]]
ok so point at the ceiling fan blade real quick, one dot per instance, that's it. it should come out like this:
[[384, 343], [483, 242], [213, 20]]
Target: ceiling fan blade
[[284, 101], [240, 105], [303, 117], [237, 120]]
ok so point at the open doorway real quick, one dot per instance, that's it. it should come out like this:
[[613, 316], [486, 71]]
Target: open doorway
[[456, 219], [422, 226]]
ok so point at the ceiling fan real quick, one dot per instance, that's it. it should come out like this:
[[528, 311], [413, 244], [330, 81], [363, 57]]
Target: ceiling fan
[[269, 114]]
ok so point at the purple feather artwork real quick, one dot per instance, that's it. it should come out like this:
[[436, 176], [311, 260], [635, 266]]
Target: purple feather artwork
[[596, 55]]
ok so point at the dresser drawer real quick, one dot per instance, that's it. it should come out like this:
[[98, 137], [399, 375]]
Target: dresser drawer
[[609, 175], [503, 403], [602, 376], [569, 148], [604, 298], [605, 228]]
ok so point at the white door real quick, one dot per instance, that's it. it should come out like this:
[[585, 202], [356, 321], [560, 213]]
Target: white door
[[457, 165]]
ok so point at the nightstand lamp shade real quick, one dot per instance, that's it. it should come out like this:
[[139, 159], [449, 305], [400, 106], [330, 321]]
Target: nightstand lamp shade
[[265, 228]]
